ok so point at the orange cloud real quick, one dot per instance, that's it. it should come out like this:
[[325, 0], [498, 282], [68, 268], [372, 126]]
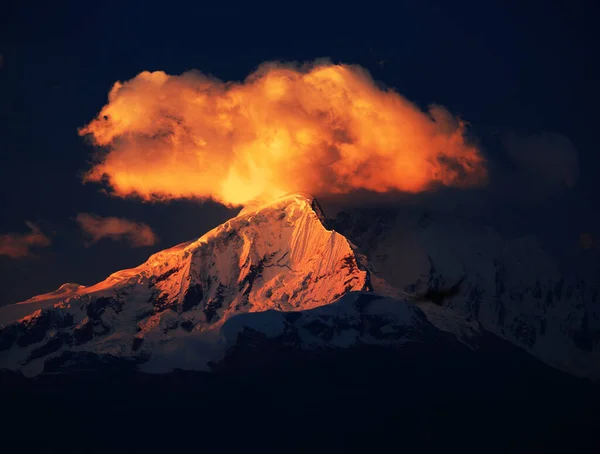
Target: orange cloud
[[97, 228], [319, 128], [18, 245]]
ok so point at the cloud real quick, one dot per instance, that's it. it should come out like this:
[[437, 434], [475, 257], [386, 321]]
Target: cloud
[[18, 245], [319, 127], [543, 164], [97, 228]]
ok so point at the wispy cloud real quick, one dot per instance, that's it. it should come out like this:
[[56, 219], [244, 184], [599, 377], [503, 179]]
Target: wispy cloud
[[137, 234], [18, 245]]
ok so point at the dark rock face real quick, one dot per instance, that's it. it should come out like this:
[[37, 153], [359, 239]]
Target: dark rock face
[[88, 330], [34, 330], [248, 281], [316, 207], [163, 277], [214, 304], [187, 325], [83, 333], [49, 347], [160, 301], [96, 308], [193, 296]]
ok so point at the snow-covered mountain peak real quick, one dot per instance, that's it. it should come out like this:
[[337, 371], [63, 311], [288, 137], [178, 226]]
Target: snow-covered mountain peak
[[277, 256], [303, 200], [275, 269]]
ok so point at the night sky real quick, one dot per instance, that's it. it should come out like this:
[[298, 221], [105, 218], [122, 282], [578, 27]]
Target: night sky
[[523, 74]]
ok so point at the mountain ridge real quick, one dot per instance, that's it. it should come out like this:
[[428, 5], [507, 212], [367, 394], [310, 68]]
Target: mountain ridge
[[512, 287], [279, 255], [176, 309]]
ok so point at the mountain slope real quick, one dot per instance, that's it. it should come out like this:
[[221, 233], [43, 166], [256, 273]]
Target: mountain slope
[[177, 309], [277, 256], [512, 287]]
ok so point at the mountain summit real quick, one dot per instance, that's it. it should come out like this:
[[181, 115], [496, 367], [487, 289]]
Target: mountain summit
[[277, 271], [276, 256]]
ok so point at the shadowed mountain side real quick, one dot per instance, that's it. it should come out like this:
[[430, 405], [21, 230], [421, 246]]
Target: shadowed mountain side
[[510, 285]]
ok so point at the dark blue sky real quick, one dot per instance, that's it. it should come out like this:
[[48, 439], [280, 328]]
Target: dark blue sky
[[521, 67]]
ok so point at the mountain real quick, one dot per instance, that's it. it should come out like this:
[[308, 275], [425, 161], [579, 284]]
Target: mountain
[[275, 331], [183, 308], [511, 287], [277, 256]]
